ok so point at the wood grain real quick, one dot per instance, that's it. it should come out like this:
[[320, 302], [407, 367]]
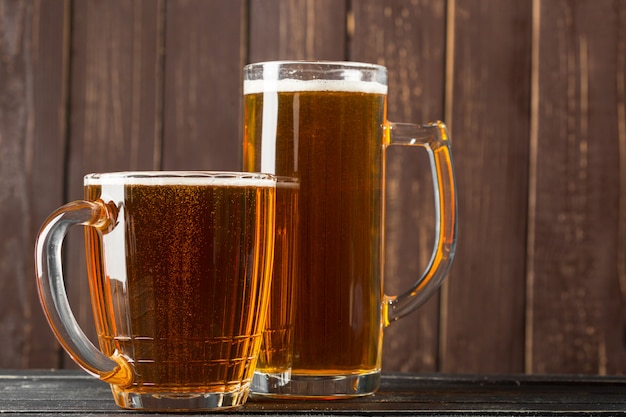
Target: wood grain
[[32, 143], [489, 116], [68, 393], [577, 318], [204, 42], [297, 30]]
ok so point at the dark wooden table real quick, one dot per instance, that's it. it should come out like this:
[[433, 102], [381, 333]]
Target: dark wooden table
[[71, 393]]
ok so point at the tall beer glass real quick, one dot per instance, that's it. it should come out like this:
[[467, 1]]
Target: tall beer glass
[[324, 125], [179, 270]]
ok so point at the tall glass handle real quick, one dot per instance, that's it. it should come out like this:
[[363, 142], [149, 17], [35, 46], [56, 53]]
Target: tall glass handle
[[51, 287], [434, 137]]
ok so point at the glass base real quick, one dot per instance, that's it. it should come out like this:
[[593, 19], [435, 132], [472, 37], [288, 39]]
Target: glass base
[[165, 401], [329, 387]]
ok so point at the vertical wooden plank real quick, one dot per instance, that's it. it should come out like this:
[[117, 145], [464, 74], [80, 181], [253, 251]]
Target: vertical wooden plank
[[115, 108], [488, 105], [297, 29], [32, 143], [115, 87], [202, 90], [408, 37], [577, 302]]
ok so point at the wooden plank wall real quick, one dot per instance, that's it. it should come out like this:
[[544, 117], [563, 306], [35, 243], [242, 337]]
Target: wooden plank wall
[[534, 93]]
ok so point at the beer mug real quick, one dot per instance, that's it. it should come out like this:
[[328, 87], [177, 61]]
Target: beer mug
[[179, 267], [324, 125]]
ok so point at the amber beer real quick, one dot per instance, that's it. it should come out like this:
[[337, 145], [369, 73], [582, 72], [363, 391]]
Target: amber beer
[[182, 281], [327, 134], [276, 355]]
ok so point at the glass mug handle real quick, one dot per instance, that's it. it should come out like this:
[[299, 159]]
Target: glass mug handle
[[51, 288], [434, 137]]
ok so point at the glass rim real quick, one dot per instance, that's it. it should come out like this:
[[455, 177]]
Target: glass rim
[[321, 64], [299, 76], [232, 178]]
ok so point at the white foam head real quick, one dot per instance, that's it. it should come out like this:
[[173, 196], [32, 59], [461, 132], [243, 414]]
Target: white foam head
[[203, 178], [290, 86]]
